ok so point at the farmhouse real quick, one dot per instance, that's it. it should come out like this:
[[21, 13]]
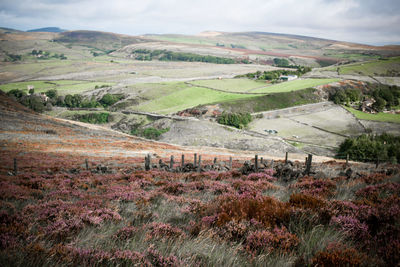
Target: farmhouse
[[288, 77]]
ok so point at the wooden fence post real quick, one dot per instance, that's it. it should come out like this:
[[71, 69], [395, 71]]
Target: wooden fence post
[[147, 163], [15, 166], [171, 162], [215, 160], [195, 160], [199, 165], [286, 157], [87, 164], [347, 160], [230, 163], [183, 161], [309, 161], [256, 162]]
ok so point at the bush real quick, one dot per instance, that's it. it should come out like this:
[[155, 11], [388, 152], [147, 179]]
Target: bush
[[149, 133], [110, 99], [382, 147], [238, 120], [95, 118]]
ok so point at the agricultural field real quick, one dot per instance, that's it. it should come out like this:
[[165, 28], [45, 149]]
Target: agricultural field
[[382, 117], [230, 85], [63, 87], [293, 85], [387, 67], [187, 98]]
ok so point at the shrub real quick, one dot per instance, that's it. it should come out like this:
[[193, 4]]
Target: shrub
[[238, 120], [110, 99], [150, 132], [338, 255], [269, 241], [95, 118]]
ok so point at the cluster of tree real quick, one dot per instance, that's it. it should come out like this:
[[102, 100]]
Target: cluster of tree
[[384, 96], [39, 104], [77, 101], [95, 118], [371, 148], [164, 55], [281, 62], [46, 55], [32, 101], [342, 96], [149, 133], [238, 120], [12, 57], [275, 74], [98, 53]]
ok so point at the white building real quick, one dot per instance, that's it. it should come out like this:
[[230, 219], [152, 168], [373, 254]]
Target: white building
[[288, 77]]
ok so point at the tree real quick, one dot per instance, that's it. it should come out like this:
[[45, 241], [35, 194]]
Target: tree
[[379, 104], [52, 93]]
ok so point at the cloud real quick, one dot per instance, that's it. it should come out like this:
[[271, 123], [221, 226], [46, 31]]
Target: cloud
[[365, 21]]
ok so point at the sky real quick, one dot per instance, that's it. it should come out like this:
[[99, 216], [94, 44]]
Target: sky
[[360, 21]]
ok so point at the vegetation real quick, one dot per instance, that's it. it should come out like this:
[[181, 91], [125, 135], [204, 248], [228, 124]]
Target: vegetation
[[238, 120], [382, 67], [128, 217], [383, 117], [149, 132], [272, 101], [95, 118], [34, 102], [110, 99], [187, 98], [275, 74], [47, 55], [281, 62], [164, 55], [63, 87], [384, 147]]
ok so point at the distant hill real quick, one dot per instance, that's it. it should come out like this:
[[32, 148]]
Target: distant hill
[[8, 30], [48, 29], [99, 40]]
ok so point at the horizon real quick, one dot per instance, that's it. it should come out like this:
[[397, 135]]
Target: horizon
[[365, 22]]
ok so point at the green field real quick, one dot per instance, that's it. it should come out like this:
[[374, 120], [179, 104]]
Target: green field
[[231, 85], [383, 117], [63, 87], [187, 98], [251, 86], [373, 68], [293, 85]]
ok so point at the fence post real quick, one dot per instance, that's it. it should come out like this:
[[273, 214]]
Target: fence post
[[147, 162], [87, 164], [256, 162], [199, 165], [183, 161], [195, 160], [347, 160], [15, 166], [309, 161], [171, 162], [215, 160], [286, 157], [230, 163]]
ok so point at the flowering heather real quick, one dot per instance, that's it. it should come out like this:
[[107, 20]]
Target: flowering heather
[[269, 241], [338, 255], [126, 233], [163, 231], [64, 215], [315, 187]]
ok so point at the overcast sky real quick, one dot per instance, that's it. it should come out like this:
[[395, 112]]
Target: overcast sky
[[362, 21]]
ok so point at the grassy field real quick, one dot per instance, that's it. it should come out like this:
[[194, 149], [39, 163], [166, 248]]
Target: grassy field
[[187, 98], [377, 68], [273, 101], [383, 117], [231, 85], [293, 85], [63, 87]]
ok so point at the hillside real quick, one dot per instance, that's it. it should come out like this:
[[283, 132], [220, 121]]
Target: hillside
[[47, 29]]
